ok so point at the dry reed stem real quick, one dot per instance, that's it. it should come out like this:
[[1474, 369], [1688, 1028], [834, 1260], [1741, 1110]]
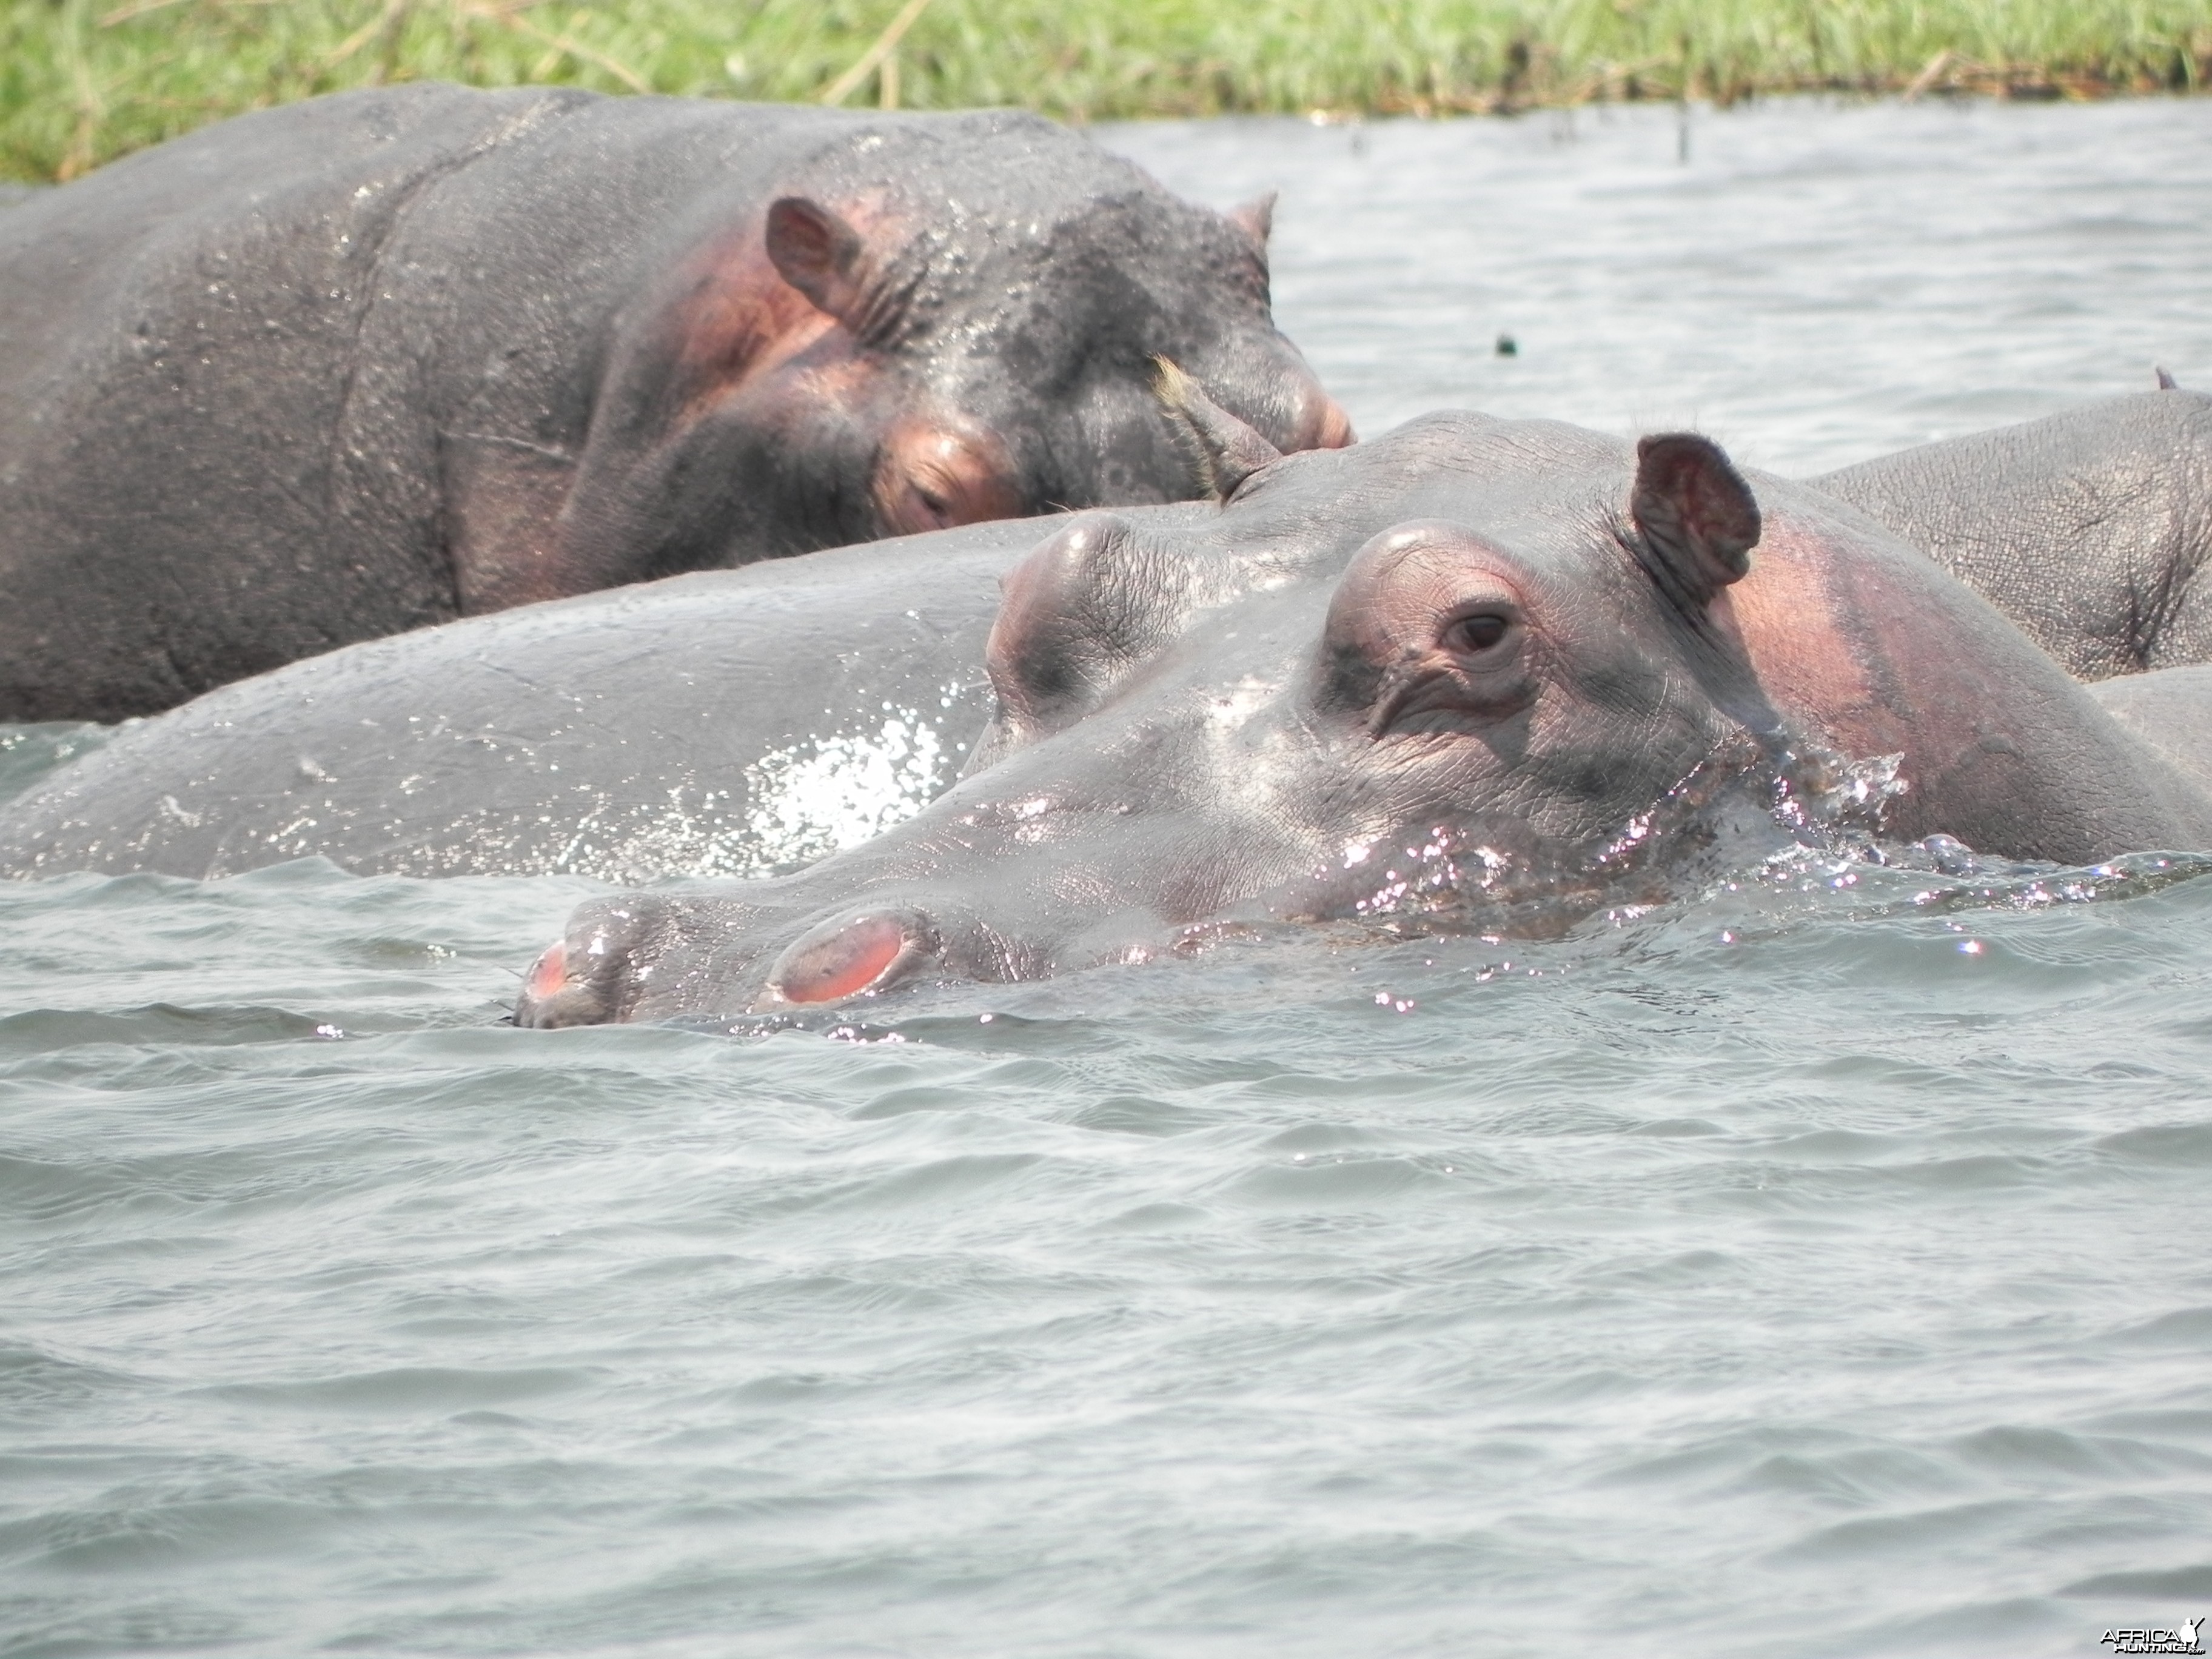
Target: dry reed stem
[[886, 42]]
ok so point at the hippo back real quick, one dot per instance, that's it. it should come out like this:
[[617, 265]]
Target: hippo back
[[724, 723], [2169, 711], [2090, 530]]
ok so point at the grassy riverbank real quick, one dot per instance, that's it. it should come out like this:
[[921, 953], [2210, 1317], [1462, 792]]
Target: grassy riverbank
[[82, 81]]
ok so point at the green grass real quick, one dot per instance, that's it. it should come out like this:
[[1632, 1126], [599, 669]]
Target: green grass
[[82, 80]]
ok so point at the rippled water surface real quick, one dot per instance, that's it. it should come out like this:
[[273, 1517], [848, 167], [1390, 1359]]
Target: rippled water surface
[[1817, 284], [1817, 1268]]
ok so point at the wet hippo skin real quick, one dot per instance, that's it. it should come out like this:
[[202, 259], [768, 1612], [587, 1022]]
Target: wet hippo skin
[[719, 723], [2091, 529], [344, 368], [1511, 643], [673, 728], [2170, 710]]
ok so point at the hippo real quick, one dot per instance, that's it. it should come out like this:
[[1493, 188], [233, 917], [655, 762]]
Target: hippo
[[545, 750], [346, 368], [2091, 529], [1473, 659], [723, 722], [2170, 710]]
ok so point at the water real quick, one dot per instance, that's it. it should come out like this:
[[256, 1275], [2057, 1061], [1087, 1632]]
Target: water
[[1818, 285], [1817, 1268]]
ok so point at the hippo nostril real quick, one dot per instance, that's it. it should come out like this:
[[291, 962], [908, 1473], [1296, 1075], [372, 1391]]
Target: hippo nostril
[[549, 972], [852, 957], [595, 973]]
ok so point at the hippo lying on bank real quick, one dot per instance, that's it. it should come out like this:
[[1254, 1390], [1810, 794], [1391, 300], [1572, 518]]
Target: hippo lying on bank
[[1489, 651], [732, 722], [344, 368]]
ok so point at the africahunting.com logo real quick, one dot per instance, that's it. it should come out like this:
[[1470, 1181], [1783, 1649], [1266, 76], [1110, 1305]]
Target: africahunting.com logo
[[2182, 1638]]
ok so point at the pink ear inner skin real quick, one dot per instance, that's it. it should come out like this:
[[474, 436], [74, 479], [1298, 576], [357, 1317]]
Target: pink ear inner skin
[[849, 960], [549, 972]]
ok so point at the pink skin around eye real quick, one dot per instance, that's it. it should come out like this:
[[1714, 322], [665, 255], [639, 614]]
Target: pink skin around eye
[[931, 478]]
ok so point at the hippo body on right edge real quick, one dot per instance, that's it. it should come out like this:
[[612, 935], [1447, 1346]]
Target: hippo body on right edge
[[1474, 657], [2091, 529], [2170, 710]]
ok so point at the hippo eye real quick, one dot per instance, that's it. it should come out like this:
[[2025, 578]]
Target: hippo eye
[[1470, 637], [936, 510]]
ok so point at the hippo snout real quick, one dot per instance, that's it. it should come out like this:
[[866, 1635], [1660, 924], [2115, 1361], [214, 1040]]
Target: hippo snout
[[550, 997], [646, 956], [1321, 423]]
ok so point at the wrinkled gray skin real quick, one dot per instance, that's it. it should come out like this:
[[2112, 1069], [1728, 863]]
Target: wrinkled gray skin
[[346, 368], [536, 741], [722, 723], [1512, 641], [2170, 710], [2091, 530]]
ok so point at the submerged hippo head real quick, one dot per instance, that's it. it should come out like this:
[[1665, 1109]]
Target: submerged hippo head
[[932, 322], [1503, 642]]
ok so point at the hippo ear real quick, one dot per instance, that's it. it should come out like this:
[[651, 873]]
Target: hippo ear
[[1699, 519], [820, 255], [1227, 450], [1256, 219]]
